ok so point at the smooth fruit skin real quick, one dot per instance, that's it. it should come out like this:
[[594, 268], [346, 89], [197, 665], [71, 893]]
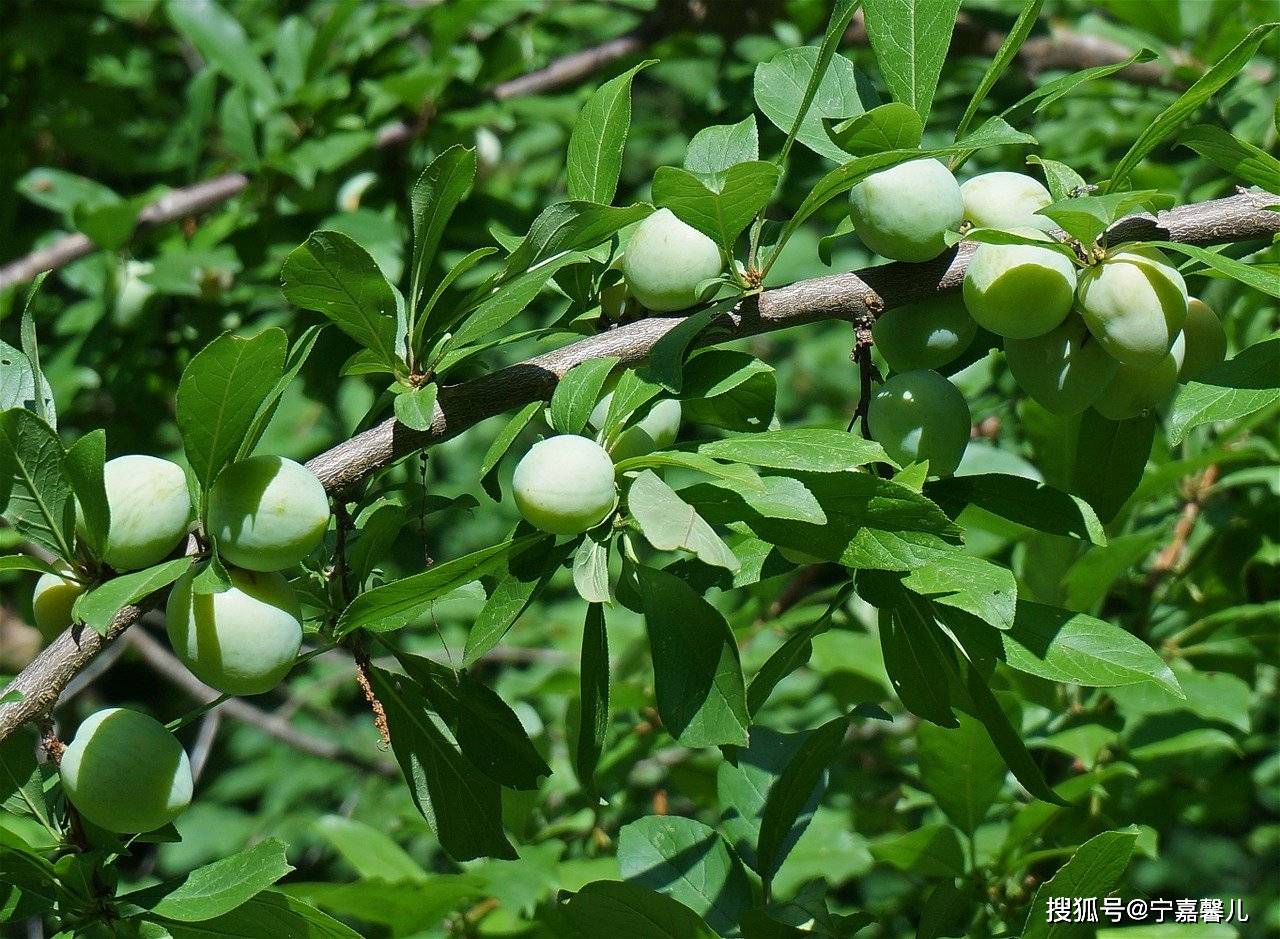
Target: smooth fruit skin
[[150, 510], [1005, 200], [564, 485], [125, 773], [666, 260], [267, 513], [904, 212], [927, 334], [1204, 338], [241, 641], [1137, 389], [919, 416], [51, 603], [1064, 370], [1134, 303], [657, 430], [1019, 291]]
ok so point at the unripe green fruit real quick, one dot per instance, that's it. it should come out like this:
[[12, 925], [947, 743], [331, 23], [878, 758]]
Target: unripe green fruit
[[241, 641], [1134, 303], [1064, 370], [657, 430], [904, 212], [1137, 389], [1204, 339], [51, 603], [124, 772], [919, 416], [666, 260], [1005, 200], [927, 334], [1019, 291], [564, 485], [150, 510], [267, 513]]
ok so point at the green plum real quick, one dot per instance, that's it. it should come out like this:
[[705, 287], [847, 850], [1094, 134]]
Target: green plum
[[1019, 291], [125, 772], [666, 260], [241, 641], [1005, 200], [657, 430], [920, 416], [565, 485], [51, 603], [927, 334], [267, 513], [1064, 370], [150, 510], [1134, 302], [1138, 389], [1204, 339], [904, 212]]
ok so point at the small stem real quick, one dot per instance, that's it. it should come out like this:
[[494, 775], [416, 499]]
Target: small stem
[[366, 686]]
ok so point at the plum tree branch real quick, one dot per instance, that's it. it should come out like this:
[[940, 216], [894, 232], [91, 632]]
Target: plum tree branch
[[847, 297]]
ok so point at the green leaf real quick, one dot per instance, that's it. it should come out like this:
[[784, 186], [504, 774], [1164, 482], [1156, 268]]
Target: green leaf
[[593, 696], [688, 862], [299, 352], [1087, 217], [99, 606], [720, 214], [42, 404], [369, 850], [1027, 502], [671, 524], [395, 605], [407, 907], [334, 276], [1259, 277], [528, 574], [218, 888], [1001, 61], [919, 665], [501, 444], [492, 737], [570, 226], [503, 305], [1063, 182], [439, 189], [416, 408], [910, 40], [892, 126], [1074, 647], [697, 675], [812, 449], [730, 389], [578, 391], [1222, 71], [1238, 157], [591, 568], [220, 393], [25, 562], [83, 465], [1051, 91], [791, 655], [18, 382], [789, 796], [714, 150], [971, 584], [1233, 389], [782, 85], [594, 161], [1109, 459], [269, 915], [1095, 870], [221, 41], [962, 769], [929, 851], [420, 332], [462, 805], [621, 910], [35, 493]]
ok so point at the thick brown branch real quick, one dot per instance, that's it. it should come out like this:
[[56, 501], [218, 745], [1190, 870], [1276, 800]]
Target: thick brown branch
[[847, 297]]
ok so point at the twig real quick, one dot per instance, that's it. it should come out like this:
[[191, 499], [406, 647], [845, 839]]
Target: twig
[[1243, 217], [1166, 561], [371, 696]]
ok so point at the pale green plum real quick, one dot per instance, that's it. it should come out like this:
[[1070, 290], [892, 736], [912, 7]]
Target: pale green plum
[[51, 603], [666, 260], [150, 510], [1005, 200], [125, 772], [1134, 302], [1019, 291], [242, 640], [657, 430], [904, 212], [1205, 341], [1064, 370], [1137, 389], [927, 334], [267, 513], [920, 416], [565, 485]]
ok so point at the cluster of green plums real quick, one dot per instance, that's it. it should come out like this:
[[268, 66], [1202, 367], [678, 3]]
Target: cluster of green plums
[[123, 770], [1116, 336]]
